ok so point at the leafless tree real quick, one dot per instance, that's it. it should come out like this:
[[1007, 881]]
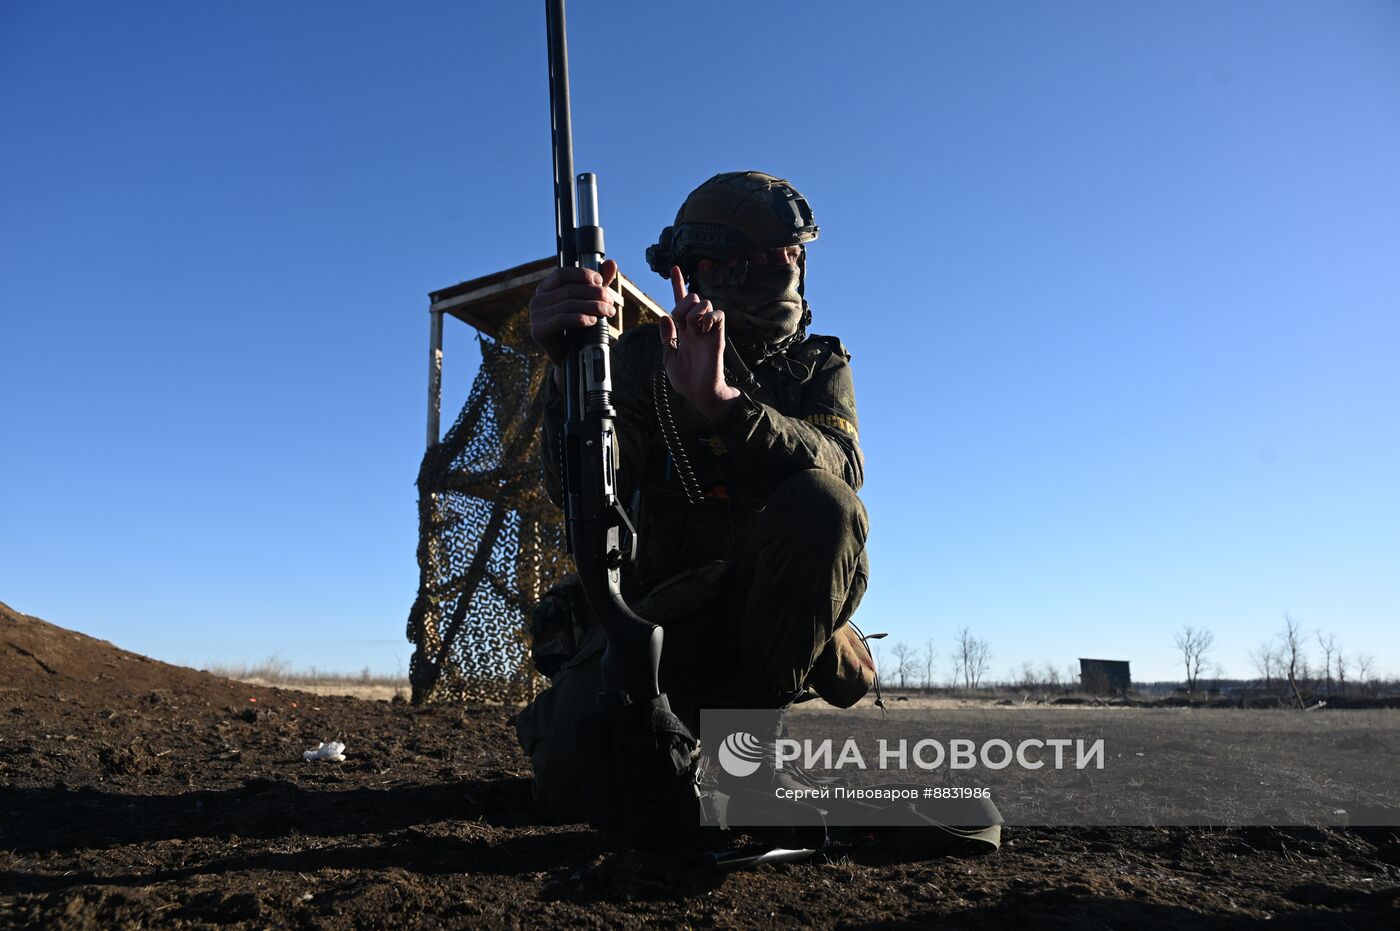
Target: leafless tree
[[972, 657], [1328, 642], [1026, 678], [930, 654], [962, 656], [981, 661], [1294, 660], [1193, 644], [1365, 667], [1341, 672], [1266, 660], [1051, 676], [903, 662]]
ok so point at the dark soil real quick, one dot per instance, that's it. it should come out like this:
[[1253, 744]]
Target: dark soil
[[138, 794]]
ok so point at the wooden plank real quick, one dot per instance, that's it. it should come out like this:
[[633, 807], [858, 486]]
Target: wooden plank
[[487, 302], [435, 381]]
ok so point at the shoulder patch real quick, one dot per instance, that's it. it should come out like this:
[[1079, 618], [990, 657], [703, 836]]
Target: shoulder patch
[[833, 421]]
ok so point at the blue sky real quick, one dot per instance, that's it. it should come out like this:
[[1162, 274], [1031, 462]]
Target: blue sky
[[1119, 280]]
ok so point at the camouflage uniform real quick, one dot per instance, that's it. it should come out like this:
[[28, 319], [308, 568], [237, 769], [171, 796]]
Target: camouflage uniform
[[755, 584], [752, 583]]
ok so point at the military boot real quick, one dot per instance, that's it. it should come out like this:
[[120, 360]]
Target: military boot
[[747, 790], [639, 778]]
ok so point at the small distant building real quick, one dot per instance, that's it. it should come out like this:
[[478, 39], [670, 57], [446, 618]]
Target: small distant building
[[1104, 676]]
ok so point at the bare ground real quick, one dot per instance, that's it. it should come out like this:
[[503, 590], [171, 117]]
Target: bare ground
[[138, 794]]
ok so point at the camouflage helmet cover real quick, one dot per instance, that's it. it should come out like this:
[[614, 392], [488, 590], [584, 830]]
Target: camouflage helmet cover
[[731, 214]]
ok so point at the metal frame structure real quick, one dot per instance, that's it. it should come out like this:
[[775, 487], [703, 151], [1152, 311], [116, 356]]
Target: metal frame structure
[[487, 303], [490, 542]]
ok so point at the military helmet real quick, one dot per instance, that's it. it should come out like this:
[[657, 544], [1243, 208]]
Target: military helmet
[[733, 213]]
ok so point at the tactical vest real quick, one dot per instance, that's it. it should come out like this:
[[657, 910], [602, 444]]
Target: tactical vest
[[676, 535]]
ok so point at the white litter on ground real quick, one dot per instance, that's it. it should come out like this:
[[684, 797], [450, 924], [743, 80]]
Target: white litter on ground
[[333, 751]]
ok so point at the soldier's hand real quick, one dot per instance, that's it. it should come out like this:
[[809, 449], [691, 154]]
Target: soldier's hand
[[570, 299], [692, 340]]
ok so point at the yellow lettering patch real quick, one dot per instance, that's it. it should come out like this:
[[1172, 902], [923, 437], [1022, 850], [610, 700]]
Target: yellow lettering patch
[[831, 420]]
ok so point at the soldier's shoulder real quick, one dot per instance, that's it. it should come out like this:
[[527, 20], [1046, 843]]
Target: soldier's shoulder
[[818, 350]]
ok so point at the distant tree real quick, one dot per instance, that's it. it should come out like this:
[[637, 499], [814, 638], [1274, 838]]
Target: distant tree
[[1026, 679], [1328, 643], [1341, 672], [903, 662], [1051, 676], [962, 648], [972, 658], [1266, 660], [1365, 666], [1193, 644], [981, 661], [1295, 662], [929, 657]]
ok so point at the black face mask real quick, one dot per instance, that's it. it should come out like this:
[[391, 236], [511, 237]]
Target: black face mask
[[763, 311]]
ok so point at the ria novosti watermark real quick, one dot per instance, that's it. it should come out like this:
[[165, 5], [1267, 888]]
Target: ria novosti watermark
[[930, 754], [886, 780], [741, 754], [1082, 767]]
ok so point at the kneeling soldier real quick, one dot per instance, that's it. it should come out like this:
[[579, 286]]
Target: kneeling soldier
[[741, 461]]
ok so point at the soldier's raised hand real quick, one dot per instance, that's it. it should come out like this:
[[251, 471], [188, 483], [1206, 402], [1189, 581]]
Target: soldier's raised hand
[[692, 338], [569, 299]]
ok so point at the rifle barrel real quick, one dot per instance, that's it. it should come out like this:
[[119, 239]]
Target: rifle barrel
[[563, 134], [593, 516], [590, 234]]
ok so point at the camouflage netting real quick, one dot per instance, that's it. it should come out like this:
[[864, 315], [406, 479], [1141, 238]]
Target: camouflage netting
[[490, 542]]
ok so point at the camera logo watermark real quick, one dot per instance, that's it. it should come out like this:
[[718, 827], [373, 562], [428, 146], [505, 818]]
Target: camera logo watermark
[[741, 754]]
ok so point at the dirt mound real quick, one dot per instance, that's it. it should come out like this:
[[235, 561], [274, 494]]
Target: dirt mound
[[138, 794], [43, 659]]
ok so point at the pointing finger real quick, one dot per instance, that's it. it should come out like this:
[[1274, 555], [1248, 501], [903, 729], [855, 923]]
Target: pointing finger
[[677, 283]]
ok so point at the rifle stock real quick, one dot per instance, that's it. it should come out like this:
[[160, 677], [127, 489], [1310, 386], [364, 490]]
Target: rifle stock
[[594, 516]]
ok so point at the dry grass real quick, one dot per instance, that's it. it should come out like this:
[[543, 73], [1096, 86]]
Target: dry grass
[[278, 673]]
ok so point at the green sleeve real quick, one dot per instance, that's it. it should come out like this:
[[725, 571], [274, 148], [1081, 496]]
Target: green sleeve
[[823, 435]]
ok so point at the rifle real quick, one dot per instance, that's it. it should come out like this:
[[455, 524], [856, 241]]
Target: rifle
[[646, 752], [594, 516]]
